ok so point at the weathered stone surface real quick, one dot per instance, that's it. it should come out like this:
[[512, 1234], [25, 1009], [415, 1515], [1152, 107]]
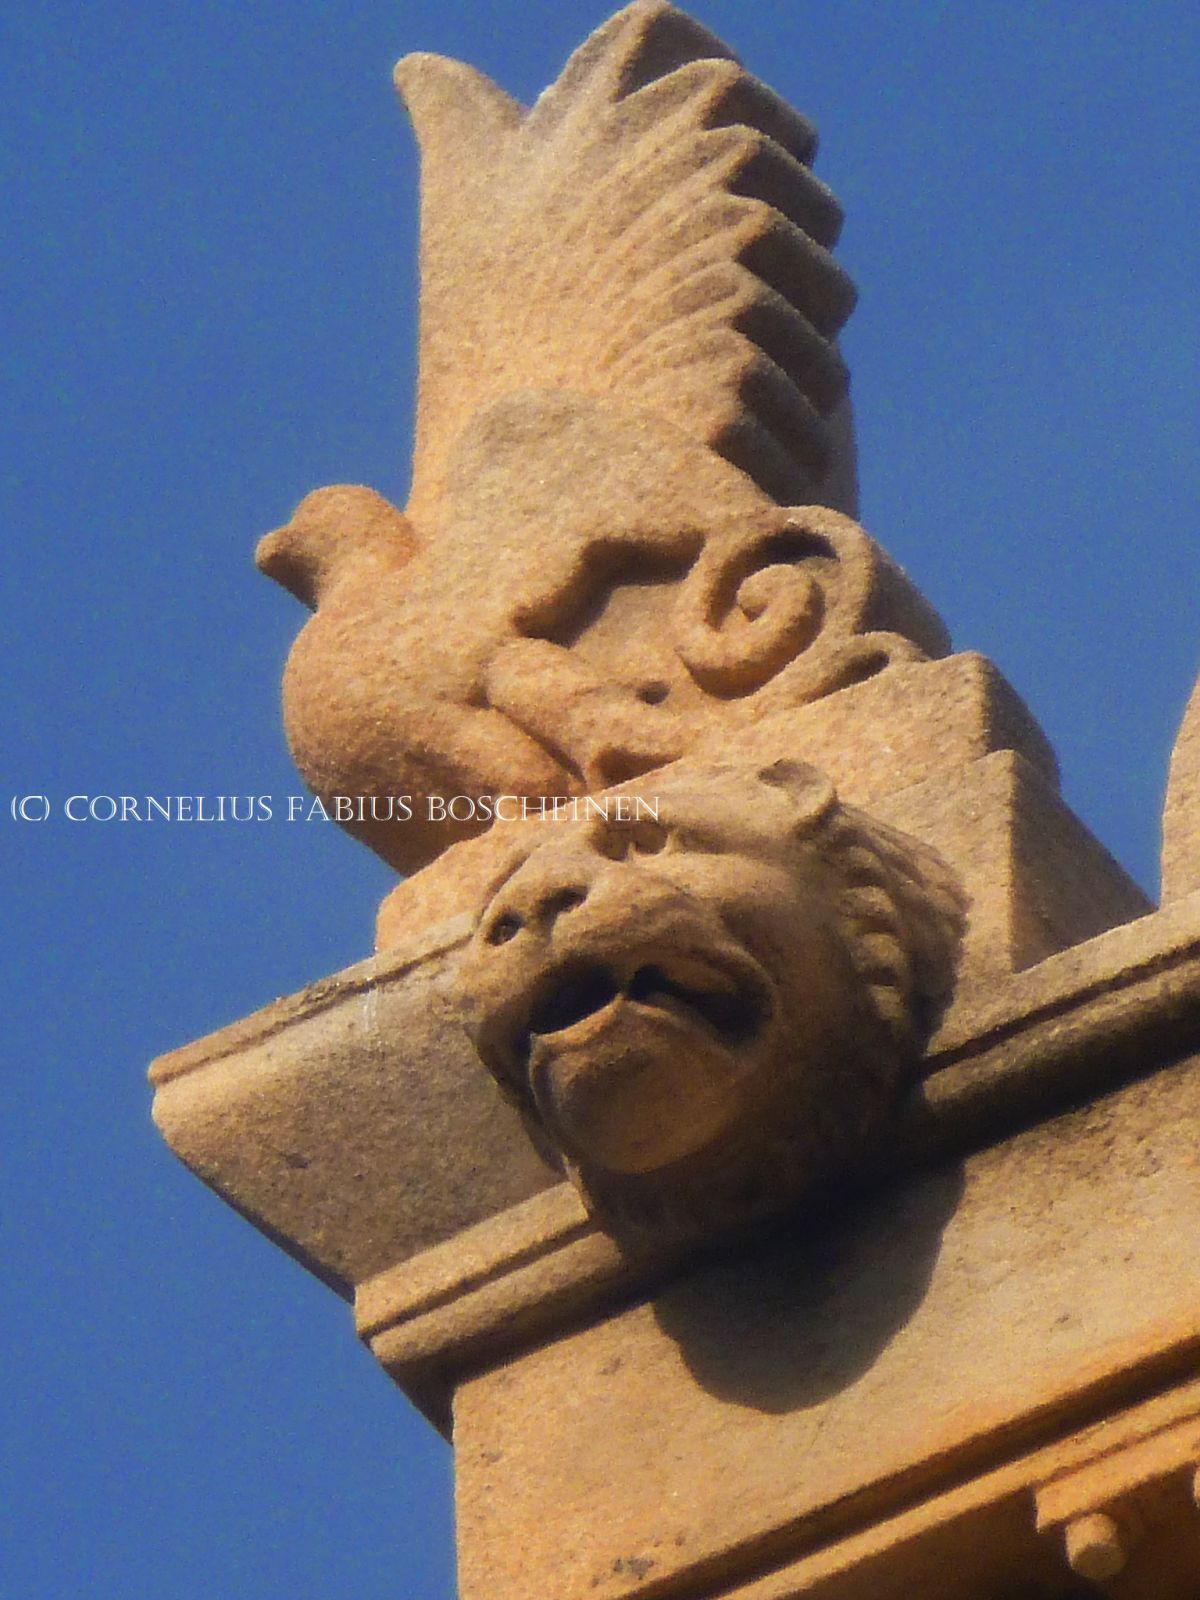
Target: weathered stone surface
[[1065, 1030], [610, 552], [457, 1158], [917, 722], [907, 744], [658, 211], [571, 626], [1181, 816], [326, 1122], [955, 1355], [709, 1008], [980, 1539], [1036, 879], [797, 1393], [594, 584], [288, 1113]]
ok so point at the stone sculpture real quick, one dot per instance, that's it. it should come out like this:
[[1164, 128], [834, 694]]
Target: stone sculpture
[[621, 378], [627, 574], [706, 1012], [594, 580]]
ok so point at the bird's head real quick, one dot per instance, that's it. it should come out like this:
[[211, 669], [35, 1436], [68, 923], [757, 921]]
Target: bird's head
[[330, 529]]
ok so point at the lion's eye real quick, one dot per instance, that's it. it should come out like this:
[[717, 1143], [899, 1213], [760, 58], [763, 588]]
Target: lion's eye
[[647, 838], [692, 840], [504, 928], [613, 842]]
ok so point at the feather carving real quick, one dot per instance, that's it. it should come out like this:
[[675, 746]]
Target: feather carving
[[650, 233], [628, 373]]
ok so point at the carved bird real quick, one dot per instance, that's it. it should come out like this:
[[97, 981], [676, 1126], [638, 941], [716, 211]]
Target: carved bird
[[628, 314]]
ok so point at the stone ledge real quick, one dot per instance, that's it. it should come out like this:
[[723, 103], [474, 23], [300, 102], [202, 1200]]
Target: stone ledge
[[285, 1112], [1007, 1525], [320, 1121], [372, 974], [1061, 1030], [1058, 1032], [772, 1405]]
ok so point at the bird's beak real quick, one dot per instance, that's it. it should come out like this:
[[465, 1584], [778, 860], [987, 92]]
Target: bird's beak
[[276, 556]]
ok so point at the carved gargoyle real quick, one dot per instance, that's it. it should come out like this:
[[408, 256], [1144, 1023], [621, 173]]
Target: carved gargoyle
[[629, 393], [705, 1013]]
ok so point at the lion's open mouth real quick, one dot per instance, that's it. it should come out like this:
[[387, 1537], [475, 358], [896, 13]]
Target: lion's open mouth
[[695, 992]]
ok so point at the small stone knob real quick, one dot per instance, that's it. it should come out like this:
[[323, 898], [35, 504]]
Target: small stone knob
[[1094, 1547]]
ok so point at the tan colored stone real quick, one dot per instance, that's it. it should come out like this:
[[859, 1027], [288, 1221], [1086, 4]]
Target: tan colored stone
[[1114, 1477], [569, 628], [954, 1355], [917, 722], [386, 1074], [657, 208], [979, 1538], [1006, 1052], [586, 588], [371, 1070], [1181, 815], [1036, 879], [1094, 1546], [1065, 1029], [791, 1396], [316, 1121], [595, 574], [711, 1004], [1068, 1028]]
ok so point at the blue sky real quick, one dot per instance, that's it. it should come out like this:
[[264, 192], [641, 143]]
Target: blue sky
[[209, 309]]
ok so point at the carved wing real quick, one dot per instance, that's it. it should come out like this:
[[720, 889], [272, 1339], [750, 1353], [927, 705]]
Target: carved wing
[[649, 231]]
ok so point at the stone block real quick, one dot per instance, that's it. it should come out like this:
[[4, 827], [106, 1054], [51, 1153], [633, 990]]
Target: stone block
[[780, 1402]]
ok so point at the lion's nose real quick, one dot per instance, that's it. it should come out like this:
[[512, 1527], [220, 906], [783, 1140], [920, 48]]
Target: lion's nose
[[533, 904]]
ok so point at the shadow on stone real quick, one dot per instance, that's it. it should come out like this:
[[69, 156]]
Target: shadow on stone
[[807, 1313]]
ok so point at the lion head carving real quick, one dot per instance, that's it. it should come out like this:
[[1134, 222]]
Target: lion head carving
[[708, 1004]]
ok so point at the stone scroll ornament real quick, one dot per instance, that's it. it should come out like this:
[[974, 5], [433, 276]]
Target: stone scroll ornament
[[629, 539]]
